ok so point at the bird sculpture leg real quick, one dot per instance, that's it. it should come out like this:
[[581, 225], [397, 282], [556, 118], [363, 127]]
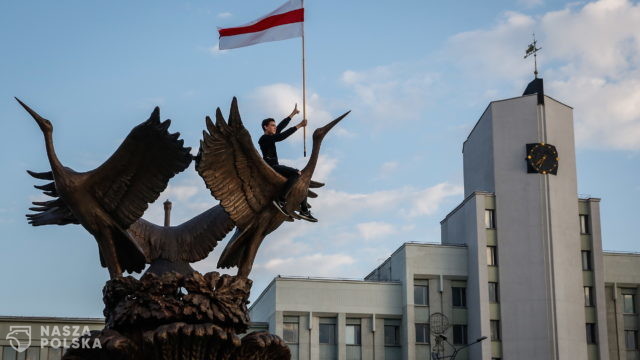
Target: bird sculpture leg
[[108, 250], [249, 255]]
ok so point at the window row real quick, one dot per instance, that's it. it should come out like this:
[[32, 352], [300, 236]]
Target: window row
[[423, 334], [353, 332], [628, 300], [458, 295]]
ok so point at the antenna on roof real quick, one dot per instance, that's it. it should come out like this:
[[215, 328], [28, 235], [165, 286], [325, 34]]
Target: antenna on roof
[[532, 49]]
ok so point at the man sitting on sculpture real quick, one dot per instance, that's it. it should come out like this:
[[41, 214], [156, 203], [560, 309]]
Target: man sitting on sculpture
[[267, 142]]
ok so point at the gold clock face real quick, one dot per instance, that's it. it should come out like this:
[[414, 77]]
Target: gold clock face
[[542, 158]]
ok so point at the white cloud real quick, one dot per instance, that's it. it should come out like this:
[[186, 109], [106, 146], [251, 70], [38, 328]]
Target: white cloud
[[311, 265], [180, 192], [375, 230], [406, 200], [400, 91], [494, 52], [189, 198], [598, 46], [589, 59], [225, 15], [428, 201]]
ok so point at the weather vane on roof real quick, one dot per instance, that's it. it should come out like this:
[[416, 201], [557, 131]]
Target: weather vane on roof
[[532, 49]]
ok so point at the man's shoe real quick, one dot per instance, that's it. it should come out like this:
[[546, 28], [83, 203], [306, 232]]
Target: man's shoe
[[280, 205], [307, 216]]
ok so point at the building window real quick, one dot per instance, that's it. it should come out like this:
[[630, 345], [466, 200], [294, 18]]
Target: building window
[[328, 334], [584, 224], [495, 330], [586, 260], [391, 332], [55, 353], [489, 219], [353, 334], [629, 303], [493, 292], [492, 256], [32, 353], [588, 296], [459, 296], [290, 329], [460, 334], [631, 339], [591, 333], [422, 333], [421, 295]]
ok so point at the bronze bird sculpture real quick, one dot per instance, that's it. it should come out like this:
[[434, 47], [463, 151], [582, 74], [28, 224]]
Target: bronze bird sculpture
[[108, 199], [245, 184], [172, 248]]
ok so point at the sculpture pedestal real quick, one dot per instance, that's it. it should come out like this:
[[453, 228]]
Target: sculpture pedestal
[[177, 316]]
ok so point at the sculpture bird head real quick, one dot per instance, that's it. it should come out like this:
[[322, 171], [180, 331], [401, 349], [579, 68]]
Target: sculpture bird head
[[318, 136], [44, 124]]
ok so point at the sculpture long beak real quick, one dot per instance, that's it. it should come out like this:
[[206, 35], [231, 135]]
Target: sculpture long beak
[[320, 133], [39, 119]]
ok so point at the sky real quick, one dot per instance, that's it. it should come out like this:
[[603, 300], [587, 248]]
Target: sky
[[416, 74]]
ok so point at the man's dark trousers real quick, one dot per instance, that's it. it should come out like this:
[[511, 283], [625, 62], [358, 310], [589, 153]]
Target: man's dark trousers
[[292, 176]]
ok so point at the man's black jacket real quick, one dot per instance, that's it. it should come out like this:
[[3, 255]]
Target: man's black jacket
[[268, 142]]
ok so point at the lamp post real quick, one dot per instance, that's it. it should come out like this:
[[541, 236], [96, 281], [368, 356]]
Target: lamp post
[[440, 338]]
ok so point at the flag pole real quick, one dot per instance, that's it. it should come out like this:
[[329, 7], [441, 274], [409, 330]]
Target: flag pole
[[304, 90]]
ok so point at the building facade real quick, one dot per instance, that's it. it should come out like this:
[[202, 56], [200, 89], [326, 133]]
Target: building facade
[[520, 262]]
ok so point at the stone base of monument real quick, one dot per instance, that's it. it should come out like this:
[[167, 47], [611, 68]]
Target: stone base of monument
[[176, 316]]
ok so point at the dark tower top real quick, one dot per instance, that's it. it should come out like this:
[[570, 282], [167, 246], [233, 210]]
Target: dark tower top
[[536, 86]]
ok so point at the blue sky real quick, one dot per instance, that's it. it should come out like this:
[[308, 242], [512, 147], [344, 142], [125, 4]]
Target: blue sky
[[416, 74]]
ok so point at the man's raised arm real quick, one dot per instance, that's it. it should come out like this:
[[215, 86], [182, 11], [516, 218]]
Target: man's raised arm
[[283, 124], [285, 134]]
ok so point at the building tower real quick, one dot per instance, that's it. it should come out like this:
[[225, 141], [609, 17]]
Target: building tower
[[520, 157]]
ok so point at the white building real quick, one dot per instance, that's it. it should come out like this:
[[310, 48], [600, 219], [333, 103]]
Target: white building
[[520, 261]]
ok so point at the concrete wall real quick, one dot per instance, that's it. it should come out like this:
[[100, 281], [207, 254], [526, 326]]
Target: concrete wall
[[336, 296], [465, 225], [562, 201], [478, 156], [264, 309], [621, 276], [313, 299], [593, 240], [622, 268], [434, 263]]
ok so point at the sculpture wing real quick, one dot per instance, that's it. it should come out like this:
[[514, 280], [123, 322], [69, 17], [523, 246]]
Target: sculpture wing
[[190, 241], [233, 170], [52, 212], [139, 170]]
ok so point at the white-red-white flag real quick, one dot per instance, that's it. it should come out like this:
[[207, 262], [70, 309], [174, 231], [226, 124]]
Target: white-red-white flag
[[283, 23]]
